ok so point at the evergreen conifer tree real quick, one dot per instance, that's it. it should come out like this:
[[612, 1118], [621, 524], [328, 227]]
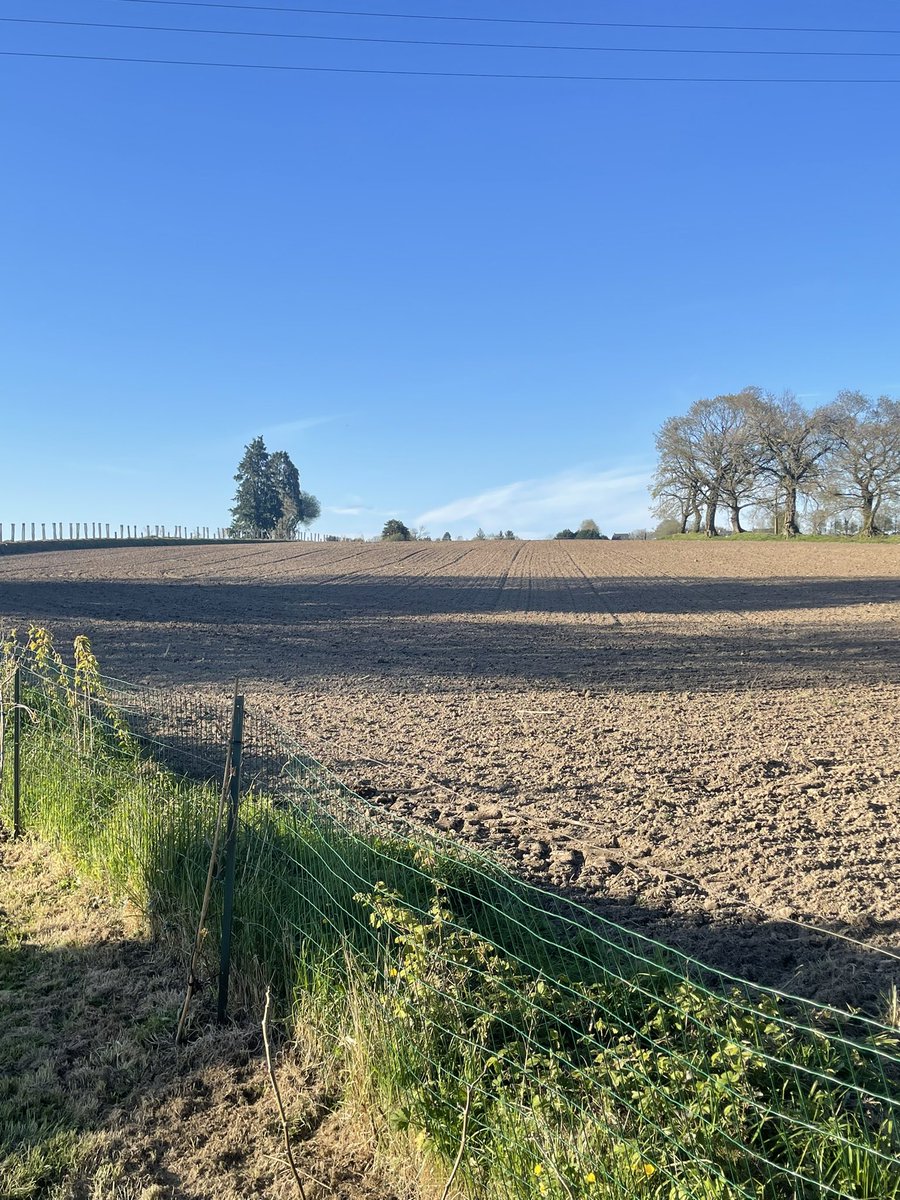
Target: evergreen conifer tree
[[286, 480], [395, 531], [269, 501], [256, 503]]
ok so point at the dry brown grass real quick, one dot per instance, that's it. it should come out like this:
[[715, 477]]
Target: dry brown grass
[[96, 1102]]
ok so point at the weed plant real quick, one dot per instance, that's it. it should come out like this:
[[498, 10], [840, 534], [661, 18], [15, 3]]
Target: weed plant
[[514, 1045]]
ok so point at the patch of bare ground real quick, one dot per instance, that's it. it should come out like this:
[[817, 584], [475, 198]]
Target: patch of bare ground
[[96, 1103], [700, 740]]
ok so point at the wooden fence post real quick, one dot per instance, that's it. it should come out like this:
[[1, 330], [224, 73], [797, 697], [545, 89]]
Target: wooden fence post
[[17, 753], [234, 792]]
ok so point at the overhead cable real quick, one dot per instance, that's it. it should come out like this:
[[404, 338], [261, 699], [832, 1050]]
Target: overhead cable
[[408, 16], [182, 62], [328, 37]]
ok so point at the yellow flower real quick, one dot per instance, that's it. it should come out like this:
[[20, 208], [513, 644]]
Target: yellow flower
[[649, 1169], [538, 1169], [590, 1177]]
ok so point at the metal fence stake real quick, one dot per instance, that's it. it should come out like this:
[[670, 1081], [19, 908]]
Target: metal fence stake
[[17, 753], [234, 791]]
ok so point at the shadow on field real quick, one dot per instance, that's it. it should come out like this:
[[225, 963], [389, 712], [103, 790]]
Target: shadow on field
[[811, 964], [203, 633], [314, 596]]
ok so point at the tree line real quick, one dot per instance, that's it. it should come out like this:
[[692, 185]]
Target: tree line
[[588, 530], [754, 450], [396, 531]]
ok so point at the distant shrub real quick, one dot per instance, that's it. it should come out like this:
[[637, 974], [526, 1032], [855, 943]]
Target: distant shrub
[[395, 531], [587, 530]]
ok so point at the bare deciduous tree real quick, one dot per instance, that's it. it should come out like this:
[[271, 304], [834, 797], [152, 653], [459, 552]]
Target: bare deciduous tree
[[676, 486], [708, 458], [864, 471], [794, 444]]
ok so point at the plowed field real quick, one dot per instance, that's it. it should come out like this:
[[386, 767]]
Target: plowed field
[[702, 739]]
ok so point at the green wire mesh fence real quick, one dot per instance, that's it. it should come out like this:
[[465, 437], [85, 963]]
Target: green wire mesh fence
[[518, 1041]]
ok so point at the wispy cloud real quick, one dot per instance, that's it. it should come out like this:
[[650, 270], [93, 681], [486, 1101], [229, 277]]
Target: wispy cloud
[[274, 435], [358, 510], [617, 499]]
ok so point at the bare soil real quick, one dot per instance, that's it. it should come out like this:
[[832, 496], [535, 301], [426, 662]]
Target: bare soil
[[98, 1104], [702, 739]]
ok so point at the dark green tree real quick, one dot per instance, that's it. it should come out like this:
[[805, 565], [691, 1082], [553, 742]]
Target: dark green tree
[[447, 537], [269, 501], [395, 531], [297, 507], [257, 507], [310, 508], [565, 535], [286, 479]]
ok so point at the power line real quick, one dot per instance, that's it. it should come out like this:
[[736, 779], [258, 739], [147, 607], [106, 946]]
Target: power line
[[181, 62], [327, 37], [397, 16]]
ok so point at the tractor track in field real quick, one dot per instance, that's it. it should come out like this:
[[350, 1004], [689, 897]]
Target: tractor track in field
[[596, 591], [505, 573]]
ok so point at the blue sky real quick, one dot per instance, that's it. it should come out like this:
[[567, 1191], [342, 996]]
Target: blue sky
[[460, 301]]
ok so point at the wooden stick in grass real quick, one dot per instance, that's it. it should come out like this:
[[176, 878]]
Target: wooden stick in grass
[[277, 1094], [462, 1142]]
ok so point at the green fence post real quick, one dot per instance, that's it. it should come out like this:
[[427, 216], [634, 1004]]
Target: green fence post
[[17, 753], [234, 791]]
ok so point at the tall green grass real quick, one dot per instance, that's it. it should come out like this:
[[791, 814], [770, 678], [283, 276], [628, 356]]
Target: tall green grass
[[510, 1040]]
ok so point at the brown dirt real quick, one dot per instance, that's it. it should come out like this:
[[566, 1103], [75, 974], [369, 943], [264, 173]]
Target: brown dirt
[[702, 739], [87, 1017]]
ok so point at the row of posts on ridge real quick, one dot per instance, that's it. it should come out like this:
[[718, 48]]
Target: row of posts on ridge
[[98, 531]]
